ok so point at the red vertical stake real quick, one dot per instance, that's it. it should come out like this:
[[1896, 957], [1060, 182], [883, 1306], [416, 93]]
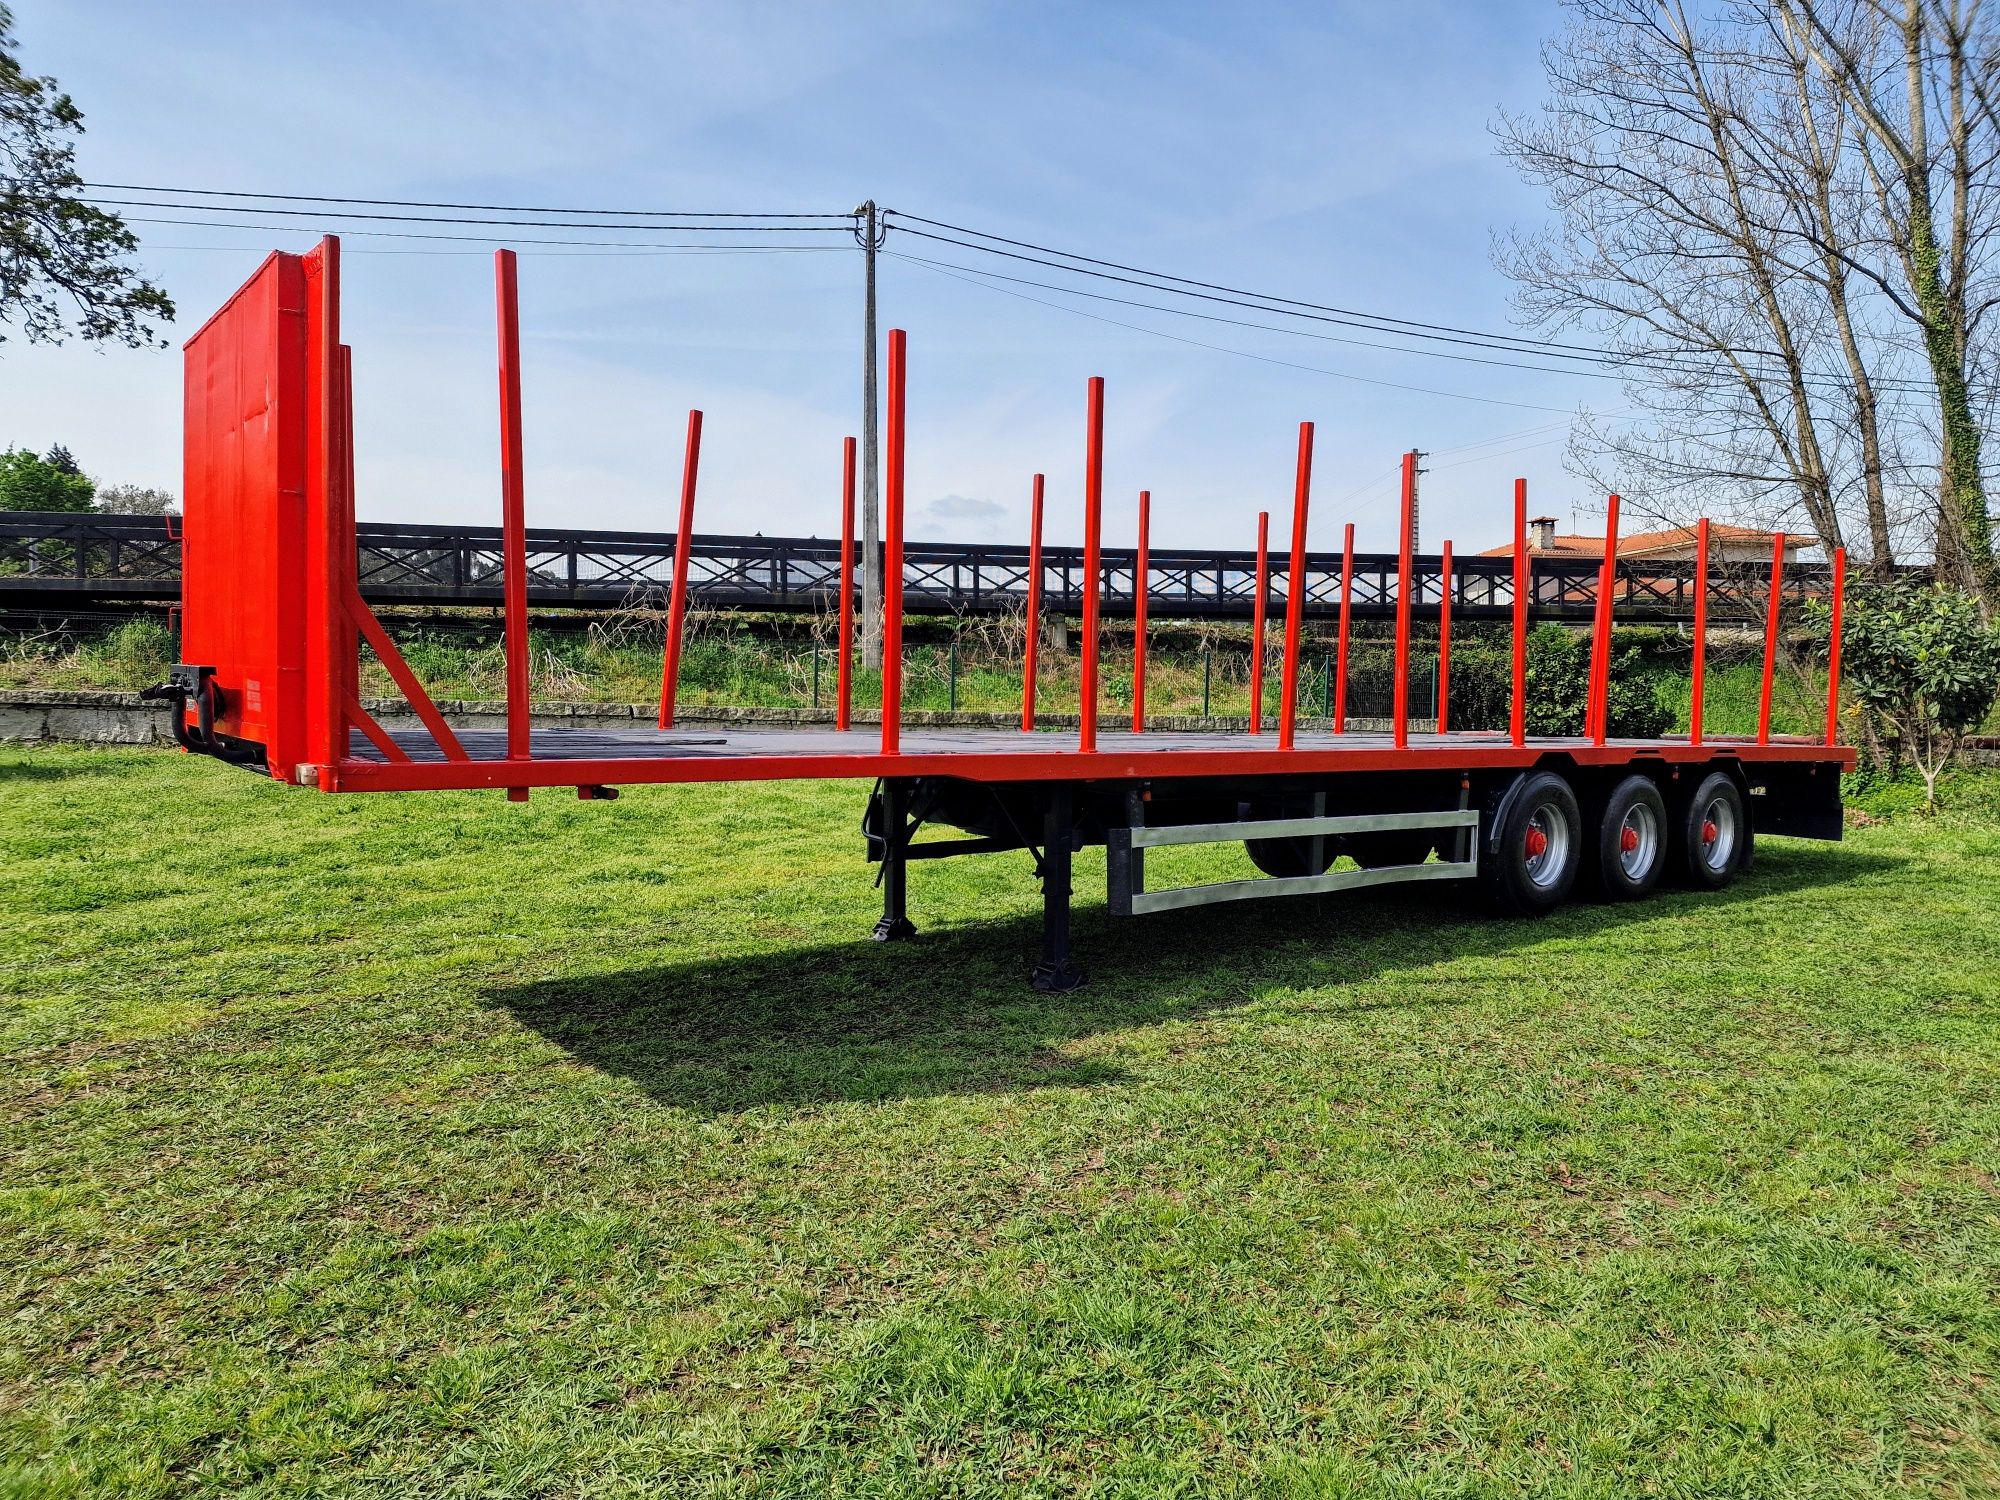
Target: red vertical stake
[[670, 665], [1093, 539], [1295, 590], [892, 549], [1444, 644], [1598, 714], [1833, 649], [513, 514], [1523, 582], [1142, 583], [1340, 648], [1404, 569], [1257, 622], [1032, 653], [844, 673], [1698, 668], [1771, 638]]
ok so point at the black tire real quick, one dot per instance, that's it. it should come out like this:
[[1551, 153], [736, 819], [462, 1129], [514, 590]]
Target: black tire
[[1376, 851], [1711, 833], [1524, 881], [1633, 839], [1285, 857]]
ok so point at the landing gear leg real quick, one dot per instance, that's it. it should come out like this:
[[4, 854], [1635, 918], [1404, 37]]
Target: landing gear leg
[[1057, 973], [895, 926]]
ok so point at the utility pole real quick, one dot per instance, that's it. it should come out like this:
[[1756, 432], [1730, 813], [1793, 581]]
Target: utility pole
[[1415, 514], [870, 235]]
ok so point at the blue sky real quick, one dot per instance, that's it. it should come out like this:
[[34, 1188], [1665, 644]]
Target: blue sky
[[1338, 153]]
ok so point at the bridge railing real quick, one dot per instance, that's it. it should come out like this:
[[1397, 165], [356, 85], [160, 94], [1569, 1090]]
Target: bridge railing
[[56, 560]]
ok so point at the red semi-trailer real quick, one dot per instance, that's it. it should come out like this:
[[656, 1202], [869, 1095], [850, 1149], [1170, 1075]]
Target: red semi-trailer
[[273, 619]]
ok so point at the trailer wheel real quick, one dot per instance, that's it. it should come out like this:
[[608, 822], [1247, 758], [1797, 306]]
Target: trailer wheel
[[1377, 851], [1713, 833], [1287, 857], [1533, 865], [1632, 841]]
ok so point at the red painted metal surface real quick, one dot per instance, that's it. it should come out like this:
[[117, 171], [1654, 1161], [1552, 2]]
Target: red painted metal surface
[[1597, 716], [1032, 650], [1833, 648], [513, 517], [844, 673], [1093, 562], [1233, 757], [1257, 622], [892, 547], [1517, 722], [670, 662], [1444, 641], [1346, 614], [243, 554], [1771, 611], [1142, 581], [1295, 590], [1698, 668], [1404, 569]]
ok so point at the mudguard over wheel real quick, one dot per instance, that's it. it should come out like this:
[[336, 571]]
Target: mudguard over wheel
[[1712, 833], [1532, 865], [1630, 851]]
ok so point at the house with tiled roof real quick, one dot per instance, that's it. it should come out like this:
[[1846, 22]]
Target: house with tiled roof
[[1727, 545]]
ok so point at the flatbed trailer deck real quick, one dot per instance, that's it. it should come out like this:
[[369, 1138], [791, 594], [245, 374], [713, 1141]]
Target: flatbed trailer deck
[[273, 622]]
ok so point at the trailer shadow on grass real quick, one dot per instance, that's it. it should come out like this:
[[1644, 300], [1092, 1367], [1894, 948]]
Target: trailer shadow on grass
[[952, 1012]]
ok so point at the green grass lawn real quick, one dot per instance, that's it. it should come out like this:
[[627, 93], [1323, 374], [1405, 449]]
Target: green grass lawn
[[441, 1146]]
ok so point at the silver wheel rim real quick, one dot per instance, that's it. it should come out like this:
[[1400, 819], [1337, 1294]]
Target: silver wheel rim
[[1545, 866], [1638, 841], [1718, 835]]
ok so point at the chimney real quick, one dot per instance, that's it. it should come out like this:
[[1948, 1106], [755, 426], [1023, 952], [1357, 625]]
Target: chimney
[[1542, 534]]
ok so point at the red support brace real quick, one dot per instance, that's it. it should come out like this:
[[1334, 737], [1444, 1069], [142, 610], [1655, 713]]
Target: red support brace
[[844, 674], [1093, 564], [1031, 654], [1444, 644], [1141, 587], [1833, 648], [513, 517], [1340, 650], [892, 550], [1598, 715], [1404, 581], [1771, 638], [670, 661], [1295, 590], [1257, 622], [1523, 584], [1698, 668]]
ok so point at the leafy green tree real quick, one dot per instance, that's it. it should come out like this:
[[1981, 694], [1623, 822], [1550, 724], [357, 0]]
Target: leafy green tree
[[62, 261], [28, 482], [134, 500], [1923, 665]]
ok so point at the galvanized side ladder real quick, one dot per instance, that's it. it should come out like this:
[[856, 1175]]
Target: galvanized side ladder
[[1125, 865]]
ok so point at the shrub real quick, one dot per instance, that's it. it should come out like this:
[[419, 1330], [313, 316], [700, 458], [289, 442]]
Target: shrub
[[1923, 665]]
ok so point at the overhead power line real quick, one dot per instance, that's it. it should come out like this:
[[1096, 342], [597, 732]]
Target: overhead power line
[[322, 214], [502, 208], [481, 239], [1165, 277]]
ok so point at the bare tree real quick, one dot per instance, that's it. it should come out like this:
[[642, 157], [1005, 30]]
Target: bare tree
[[1917, 78], [1668, 242], [1743, 220]]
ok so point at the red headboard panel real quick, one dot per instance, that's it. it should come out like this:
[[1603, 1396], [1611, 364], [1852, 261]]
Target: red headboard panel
[[268, 551]]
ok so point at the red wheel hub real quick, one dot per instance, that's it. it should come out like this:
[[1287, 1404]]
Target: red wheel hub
[[1536, 843], [1709, 832], [1628, 840]]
